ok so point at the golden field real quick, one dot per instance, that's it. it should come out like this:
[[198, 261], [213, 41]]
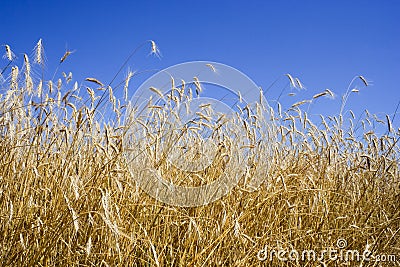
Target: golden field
[[69, 198]]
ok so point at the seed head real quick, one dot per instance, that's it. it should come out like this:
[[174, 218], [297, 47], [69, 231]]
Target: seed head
[[9, 54]]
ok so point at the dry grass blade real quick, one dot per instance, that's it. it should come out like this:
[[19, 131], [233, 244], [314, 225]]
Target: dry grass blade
[[299, 84], [320, 94], [126, 86], [300, 103], [363, 80], [389, 124], [39, 53], [212, 67], [65, 56], [94, 80], [158, 92], [154, 49], [327, 92], [9, 54], [291, 80]]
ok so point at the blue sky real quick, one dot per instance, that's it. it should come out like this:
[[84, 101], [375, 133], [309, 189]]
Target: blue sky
[[324, 43]]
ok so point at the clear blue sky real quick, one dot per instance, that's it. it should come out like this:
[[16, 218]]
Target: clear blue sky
[[324, 43]]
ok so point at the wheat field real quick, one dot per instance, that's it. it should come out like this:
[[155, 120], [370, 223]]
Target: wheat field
[[69, 198]]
